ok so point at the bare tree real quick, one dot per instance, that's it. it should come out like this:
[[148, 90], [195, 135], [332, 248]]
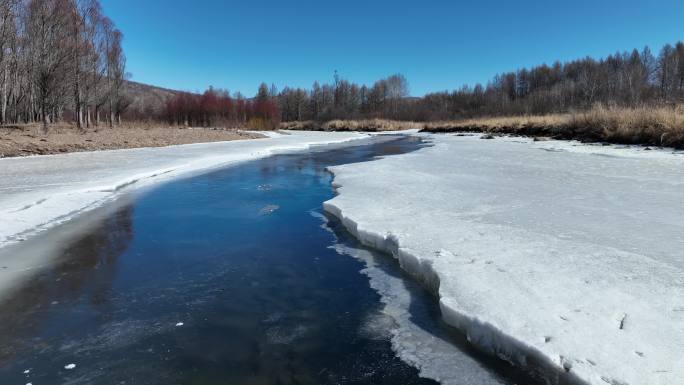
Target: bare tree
[[679, 49], [667, 70], [50, 50], [115, 68], [56, 56], [8, 39], [93, 65], [397, 90]]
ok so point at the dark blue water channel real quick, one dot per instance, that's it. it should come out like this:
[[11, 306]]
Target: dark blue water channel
[[222, 278]]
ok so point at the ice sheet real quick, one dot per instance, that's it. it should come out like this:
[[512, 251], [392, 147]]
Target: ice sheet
[[563, 258]]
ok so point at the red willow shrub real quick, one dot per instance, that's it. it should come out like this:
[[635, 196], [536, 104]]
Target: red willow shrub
[[217, 108]]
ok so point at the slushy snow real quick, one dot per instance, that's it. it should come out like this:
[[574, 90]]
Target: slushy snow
[[563, 258]]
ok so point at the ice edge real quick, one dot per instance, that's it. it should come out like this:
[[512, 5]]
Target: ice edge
[[481, 334]]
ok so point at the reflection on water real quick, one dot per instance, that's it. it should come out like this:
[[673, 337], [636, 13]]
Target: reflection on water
[[87, 269], [221, 278]]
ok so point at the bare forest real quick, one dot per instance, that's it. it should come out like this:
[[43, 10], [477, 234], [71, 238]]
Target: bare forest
[[627, 80], [63, 61], [60, 60]]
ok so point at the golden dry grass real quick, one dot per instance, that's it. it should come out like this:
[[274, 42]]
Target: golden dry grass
[[661, 126], [306, 125], [657, 126], [506, 124], [370, 125]]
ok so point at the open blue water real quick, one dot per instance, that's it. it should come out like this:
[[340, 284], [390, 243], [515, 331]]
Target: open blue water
[[223, 278]]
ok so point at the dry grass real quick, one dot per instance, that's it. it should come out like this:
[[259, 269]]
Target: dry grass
[[527, 125], [260, 124], [306, 125], [662, 126], [369, 125], [656, 126], [29, 139]]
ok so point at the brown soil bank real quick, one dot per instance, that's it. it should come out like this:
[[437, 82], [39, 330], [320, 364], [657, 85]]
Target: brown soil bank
[[661, 126], [30, 140]]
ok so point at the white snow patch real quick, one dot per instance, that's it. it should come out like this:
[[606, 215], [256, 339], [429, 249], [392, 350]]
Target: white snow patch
[[561, 261]]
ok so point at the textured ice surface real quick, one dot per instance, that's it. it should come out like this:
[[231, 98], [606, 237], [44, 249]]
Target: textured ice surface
[[435, 357], [557, 256], [39, 191]]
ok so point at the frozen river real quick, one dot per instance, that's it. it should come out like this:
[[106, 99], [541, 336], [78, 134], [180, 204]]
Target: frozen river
[[561, 258], [234, 276]]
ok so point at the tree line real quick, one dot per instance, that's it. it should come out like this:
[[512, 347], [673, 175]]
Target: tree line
[[218, 108], [60, 58], [339, 100], [629, 79]]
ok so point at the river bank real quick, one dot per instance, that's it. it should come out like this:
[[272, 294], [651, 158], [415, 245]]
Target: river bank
[[648, 126], [27, 140]]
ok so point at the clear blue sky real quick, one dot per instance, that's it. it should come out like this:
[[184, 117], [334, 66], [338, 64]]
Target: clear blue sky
[[437, 45]]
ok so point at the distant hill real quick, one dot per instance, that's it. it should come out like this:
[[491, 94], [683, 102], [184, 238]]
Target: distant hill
[[145, 96]]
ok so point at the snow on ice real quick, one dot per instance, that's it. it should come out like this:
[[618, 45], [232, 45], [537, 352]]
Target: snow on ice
[[563, 258]]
